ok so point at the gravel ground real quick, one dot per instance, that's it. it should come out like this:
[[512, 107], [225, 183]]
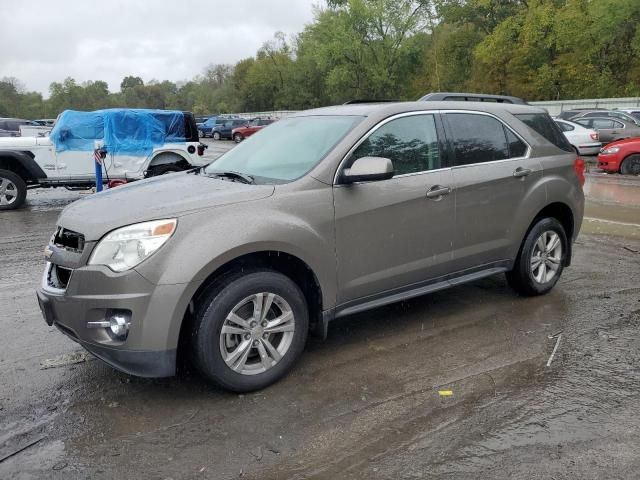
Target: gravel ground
[[365, 403]]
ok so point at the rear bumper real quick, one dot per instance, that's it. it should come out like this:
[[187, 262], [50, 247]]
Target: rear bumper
[[589, 149]]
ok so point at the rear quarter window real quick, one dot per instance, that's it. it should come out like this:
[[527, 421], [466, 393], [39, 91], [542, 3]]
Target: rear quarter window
[[544, 125]]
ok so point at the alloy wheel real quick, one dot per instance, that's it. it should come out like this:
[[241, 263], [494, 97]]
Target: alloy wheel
[[546, 257], [8, 191], [257, 333]]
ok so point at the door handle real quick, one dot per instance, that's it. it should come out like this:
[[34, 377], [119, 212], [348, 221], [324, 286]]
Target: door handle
[[62, 166], [438, 191], [521, 172], [49, 166]]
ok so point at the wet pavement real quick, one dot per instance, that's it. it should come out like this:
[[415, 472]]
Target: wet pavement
[[364, 404]]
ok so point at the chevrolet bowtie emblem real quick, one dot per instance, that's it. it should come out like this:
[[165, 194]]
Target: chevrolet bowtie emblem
[[47, 252]]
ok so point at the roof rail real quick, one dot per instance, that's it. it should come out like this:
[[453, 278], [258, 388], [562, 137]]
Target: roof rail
[[363, 100]]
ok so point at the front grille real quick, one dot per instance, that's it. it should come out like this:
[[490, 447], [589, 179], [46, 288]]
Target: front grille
[[69, 240], [58, 277]]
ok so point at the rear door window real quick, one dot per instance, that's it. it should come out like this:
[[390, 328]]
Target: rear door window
[[603, 123], [543, 124], [479, 138]]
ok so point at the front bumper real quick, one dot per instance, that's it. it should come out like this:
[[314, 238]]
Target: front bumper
[[608, 163], [93, 292]]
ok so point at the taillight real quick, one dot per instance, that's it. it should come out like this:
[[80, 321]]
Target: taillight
[[594, 135], [578, 166]]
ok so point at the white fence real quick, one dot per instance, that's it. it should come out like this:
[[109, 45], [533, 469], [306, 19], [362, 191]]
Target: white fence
[[278, 114], [557, 106], [554, 107]]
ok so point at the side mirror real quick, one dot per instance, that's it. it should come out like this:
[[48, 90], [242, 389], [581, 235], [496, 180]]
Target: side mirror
[[368, 169]]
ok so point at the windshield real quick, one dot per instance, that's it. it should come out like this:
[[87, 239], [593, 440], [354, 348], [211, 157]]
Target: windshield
[[287, 149]]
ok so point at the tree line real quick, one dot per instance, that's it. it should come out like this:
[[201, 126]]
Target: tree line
[[393, 49]]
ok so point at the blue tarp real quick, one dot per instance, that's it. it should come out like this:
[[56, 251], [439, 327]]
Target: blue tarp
[[125, 131]]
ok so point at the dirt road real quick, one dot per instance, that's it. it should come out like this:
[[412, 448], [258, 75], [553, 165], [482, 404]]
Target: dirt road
[[367, 402]]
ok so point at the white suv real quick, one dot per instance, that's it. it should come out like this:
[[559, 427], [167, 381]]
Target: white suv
[[138, 143]]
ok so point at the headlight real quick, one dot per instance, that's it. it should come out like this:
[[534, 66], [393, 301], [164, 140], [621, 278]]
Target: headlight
[[126, 247], [610, 150]]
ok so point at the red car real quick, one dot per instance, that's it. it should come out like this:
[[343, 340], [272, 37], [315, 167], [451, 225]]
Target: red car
[[240, 133], [622, 156]]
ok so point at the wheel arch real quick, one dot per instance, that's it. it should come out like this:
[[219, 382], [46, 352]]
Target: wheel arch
[[168, 157], [285, 263], [630, 154], [563, 213], [21, 163]]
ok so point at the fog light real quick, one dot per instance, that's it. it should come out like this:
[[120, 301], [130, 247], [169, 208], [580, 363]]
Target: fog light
[[119, 322]]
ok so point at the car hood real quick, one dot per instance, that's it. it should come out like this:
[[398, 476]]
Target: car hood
[[627, 141], [13, 143], [160, 197]]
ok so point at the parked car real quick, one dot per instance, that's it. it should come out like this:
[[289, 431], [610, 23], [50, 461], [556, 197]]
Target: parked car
[[206, 129], [585, 141], [610, 129], [34, 130], [224, 129], [46, 122], [634, 112], [622, 156], [240, 133], [617, 114], [324, 214], [471, 97], [138, 144], [569, 114], [10, 127]]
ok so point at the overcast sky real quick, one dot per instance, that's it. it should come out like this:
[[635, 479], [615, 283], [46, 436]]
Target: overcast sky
[[45, 41]]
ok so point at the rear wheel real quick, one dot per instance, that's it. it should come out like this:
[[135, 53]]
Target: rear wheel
[[200, 134], [13, 190], [541, 259], [216, 136], [250, 330], [631, 165], [163, 170]]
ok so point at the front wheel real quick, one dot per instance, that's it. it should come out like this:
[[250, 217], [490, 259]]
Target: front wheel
[[13, 190], [238, 138], [631, 165], [250, 330], [216, 135], [541, 259]]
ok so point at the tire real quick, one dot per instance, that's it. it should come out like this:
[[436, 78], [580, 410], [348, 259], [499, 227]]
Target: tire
[[163, 170], [13, 190], [237, 293], [526, 278], [238, 137], [631, 165], [200, 134], [216, 136]]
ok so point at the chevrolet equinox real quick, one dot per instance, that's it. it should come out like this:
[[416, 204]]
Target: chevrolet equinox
[[324, 214]]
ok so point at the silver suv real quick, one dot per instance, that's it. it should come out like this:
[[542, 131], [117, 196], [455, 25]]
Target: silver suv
[[326, 213]]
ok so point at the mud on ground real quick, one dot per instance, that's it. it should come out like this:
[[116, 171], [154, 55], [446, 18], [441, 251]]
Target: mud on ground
[[364, 404]]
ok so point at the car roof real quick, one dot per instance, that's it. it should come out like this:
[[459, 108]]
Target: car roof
[[621, 120], [388, 109]]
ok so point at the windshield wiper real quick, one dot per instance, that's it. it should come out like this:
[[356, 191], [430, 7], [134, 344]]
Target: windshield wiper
[[243, 177]]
